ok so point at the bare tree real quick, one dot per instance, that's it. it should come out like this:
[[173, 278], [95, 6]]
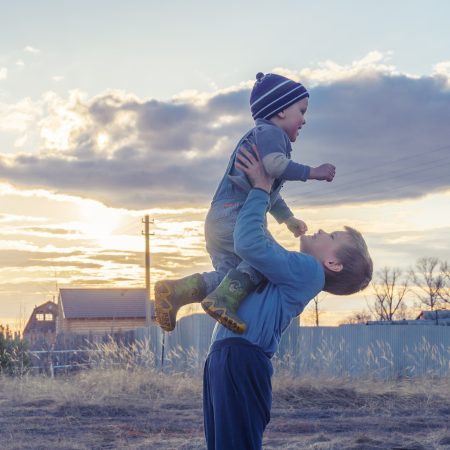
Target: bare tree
[[429, 281], [404, 313], [312, 313], [444, 293], [390, 289], [316, 302]]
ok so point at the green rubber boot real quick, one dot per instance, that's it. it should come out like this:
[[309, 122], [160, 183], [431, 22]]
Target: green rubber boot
[[171, 295], [222, 304]]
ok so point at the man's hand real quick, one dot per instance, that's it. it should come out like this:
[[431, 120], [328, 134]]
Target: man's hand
[[296, 226], [323, 172], [253, 167]]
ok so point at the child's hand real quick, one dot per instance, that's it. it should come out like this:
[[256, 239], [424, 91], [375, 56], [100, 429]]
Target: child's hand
[[253, 167], [323, 172], [296, 226]]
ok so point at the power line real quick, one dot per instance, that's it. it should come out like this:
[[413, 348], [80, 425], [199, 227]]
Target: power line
[[372, 194], [389, 175], [402, 158], [386, 176]]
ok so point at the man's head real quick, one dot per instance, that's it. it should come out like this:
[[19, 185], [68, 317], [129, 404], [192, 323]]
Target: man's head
[[281, 100], [344, 257]]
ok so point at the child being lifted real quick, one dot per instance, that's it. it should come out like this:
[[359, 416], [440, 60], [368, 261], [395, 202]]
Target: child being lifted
[[278, 106]]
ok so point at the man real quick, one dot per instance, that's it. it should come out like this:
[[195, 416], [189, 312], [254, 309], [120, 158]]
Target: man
[[237, 391]]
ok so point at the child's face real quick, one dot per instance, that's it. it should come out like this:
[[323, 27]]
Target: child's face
[[324, 246], [293, 118]]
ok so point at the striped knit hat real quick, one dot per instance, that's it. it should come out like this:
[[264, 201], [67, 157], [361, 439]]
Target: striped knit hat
[[272, 93]]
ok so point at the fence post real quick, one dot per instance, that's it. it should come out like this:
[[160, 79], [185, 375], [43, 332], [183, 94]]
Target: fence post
[[51, 368], [162, 349]]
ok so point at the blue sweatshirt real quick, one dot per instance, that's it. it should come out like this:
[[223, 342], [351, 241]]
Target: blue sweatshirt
[[294, 278]]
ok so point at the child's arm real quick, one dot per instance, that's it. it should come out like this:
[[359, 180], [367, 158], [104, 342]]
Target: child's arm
[[280, 210], [282, 214], [294, 171], [323, 172], [274, 148]]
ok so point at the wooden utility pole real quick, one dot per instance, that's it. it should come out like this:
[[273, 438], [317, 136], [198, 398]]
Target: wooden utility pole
[[146, 233]]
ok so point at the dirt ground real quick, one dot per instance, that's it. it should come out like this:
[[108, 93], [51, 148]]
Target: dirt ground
[[142, 410]]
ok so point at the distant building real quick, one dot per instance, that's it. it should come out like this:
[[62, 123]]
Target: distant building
[[100, 311], [42, 320], [437, 317]]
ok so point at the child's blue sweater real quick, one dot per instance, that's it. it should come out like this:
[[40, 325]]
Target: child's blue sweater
[[294, 278], [275, 150]]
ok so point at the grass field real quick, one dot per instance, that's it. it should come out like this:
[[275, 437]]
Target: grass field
[[143, 409]]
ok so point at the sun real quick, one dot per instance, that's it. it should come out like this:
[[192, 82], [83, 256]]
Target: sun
[[99, 222]]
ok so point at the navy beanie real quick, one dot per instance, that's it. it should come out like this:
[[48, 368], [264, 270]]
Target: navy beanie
[[272, 93]]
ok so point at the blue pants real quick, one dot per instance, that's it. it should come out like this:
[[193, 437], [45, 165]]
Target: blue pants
[[237, 395], [219, 227]]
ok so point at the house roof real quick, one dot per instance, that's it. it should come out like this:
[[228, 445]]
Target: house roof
[[438, 314], [112, 303], [36, 326], [47, 307]]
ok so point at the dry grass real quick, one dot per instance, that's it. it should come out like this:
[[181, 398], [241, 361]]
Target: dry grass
[[139, 408], [125, 404]]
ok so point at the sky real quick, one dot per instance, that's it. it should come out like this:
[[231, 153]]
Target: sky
[[113, 110]]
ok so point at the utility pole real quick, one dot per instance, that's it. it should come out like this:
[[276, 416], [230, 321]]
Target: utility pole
[[148, 318], [146, 233]]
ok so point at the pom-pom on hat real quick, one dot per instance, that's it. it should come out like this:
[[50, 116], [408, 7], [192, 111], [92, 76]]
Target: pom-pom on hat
[[272, 93]]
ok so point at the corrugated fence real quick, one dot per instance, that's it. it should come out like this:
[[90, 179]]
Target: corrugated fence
[[379, 351]]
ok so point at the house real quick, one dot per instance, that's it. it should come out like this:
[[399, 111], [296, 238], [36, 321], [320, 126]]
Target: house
[[42, 320], [437, 317], [100, 311]]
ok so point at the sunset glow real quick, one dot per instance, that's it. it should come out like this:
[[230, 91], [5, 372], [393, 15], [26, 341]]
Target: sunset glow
[[89, 145]]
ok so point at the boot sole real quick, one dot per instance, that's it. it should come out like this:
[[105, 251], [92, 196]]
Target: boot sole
[[221, 316], [163, 306]]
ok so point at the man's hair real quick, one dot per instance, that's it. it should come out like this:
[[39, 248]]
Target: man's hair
[[357, 266]]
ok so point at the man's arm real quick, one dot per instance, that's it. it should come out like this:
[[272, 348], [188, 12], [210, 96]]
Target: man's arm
[[253, 245], [251, 242]]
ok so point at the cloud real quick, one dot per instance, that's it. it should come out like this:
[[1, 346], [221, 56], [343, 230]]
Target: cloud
[[20, 116], [403, 248], [50, 231], [3, 73], [32, 50], [442, 68], [374, 63], [11, 218], [27, 259], [386, 132]]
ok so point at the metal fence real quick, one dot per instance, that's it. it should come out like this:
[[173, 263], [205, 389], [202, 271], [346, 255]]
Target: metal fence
[[377, 351], [383, 352]]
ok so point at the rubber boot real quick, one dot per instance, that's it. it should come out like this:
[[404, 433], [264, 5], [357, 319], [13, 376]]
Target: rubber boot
[[222, 304], [171, 295]]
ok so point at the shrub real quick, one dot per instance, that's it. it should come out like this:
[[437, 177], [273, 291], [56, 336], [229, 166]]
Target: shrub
[[14, 359]]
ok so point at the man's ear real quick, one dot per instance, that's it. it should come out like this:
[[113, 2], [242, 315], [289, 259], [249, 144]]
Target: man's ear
[[333, 265]]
